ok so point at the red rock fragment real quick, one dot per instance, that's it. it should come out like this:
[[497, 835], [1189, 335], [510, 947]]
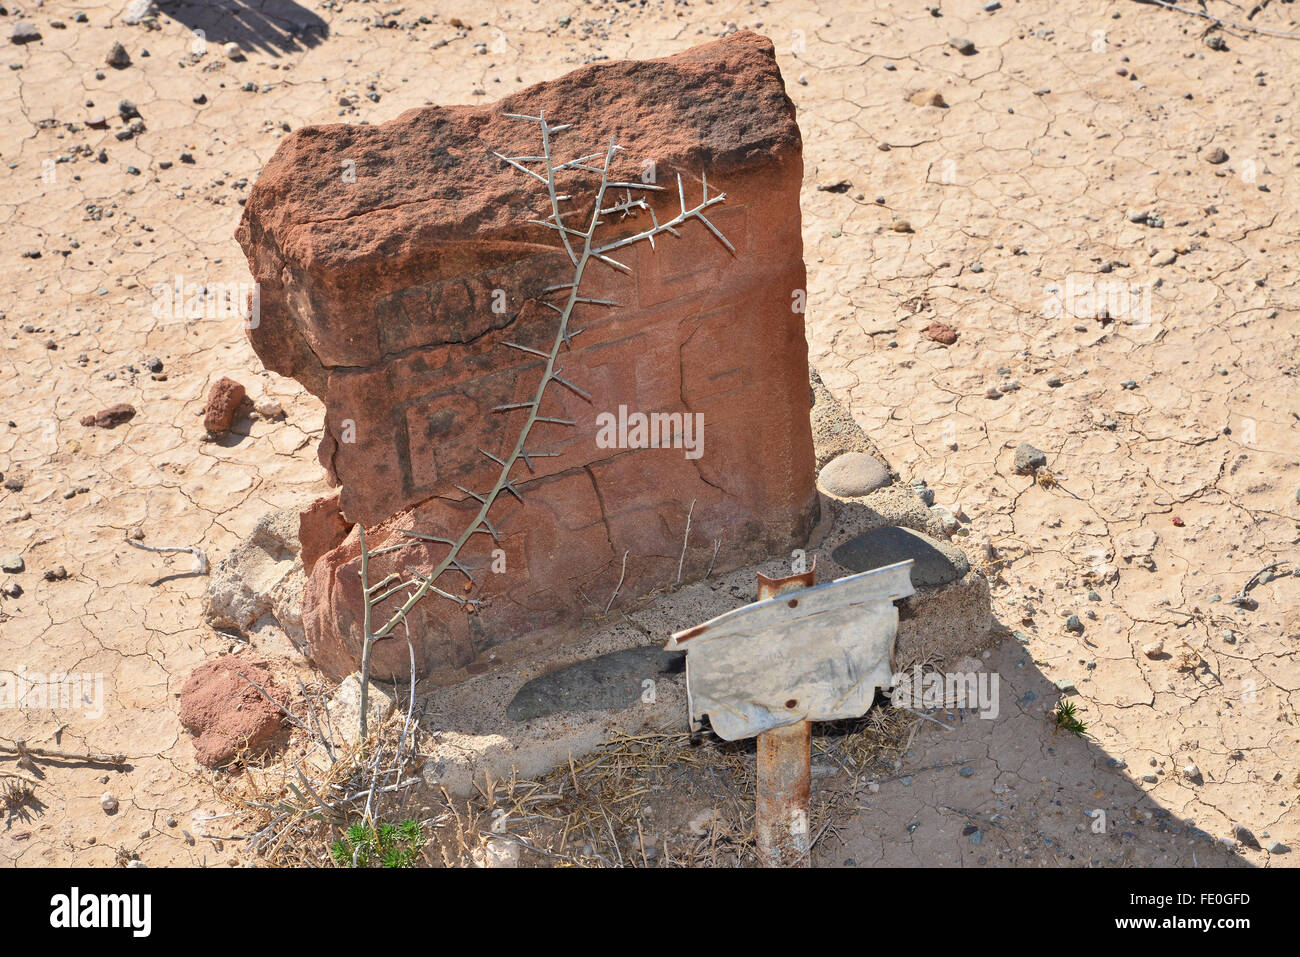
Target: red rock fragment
[[224, 400], [111, 417], [941, 333]]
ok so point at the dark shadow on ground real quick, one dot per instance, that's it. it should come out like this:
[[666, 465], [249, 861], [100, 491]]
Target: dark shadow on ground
[[271, 27], [1008, 789]]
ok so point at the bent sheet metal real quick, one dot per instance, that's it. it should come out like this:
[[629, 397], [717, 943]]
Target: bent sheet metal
[[814, 655]]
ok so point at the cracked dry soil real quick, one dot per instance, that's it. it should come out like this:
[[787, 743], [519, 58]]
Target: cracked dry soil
[[1074, 157]]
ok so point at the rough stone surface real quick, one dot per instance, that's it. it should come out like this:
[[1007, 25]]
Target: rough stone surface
[[1029, 459], [261, 577], [936, 563], [226, 713], [941, 332], [117, 57], [138, 10], [853, 474], [224, 401], [321, 528], [378, 296], [1245, 835], [343, 709], [24, 32], [111, 417]]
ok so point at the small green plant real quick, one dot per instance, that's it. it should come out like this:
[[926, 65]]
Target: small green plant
[[389, 845], [1067, 719]]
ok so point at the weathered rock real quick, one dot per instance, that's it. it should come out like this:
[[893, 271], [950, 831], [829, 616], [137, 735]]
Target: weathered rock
[[378, 294], [853, 474], [321, 528], [111, 417], [117, 57], [343, 709], [228, 714], [261, 577], [224, 400], [138, 10], [496, 853], [941, 332], [24, 31], [268, 407], [1029, 459]]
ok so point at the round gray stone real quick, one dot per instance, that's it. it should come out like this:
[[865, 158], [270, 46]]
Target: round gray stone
[[853, 474]]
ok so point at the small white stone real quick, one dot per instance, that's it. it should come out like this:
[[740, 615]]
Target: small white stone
[[497, 853], [233, 51], [267, 407], [136, 11], [108, 802]]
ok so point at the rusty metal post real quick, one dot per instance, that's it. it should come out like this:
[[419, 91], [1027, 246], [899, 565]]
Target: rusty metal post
[[801, 653], [784, 766], [784, 781]]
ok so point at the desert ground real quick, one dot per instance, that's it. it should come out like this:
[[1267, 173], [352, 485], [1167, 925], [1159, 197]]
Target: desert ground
[[1098, 199]]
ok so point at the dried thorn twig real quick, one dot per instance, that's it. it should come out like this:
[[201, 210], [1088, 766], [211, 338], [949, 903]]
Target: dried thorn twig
[[25, 754], [685, 538], [1241, 598], [609, 604], [200, 560]]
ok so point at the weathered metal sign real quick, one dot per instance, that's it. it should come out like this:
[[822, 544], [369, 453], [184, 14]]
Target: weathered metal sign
[[817, 654]]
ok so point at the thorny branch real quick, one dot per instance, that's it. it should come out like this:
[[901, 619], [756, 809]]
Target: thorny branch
[[582, 247]]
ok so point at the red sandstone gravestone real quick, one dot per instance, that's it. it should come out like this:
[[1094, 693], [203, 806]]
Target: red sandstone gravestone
[[395, 261]]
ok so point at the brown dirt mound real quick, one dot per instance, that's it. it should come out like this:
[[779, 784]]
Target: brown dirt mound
[[226, 712]]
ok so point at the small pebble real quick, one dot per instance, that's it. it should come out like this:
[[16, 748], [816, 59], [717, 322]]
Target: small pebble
[[117, 57], [1245, 836]]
